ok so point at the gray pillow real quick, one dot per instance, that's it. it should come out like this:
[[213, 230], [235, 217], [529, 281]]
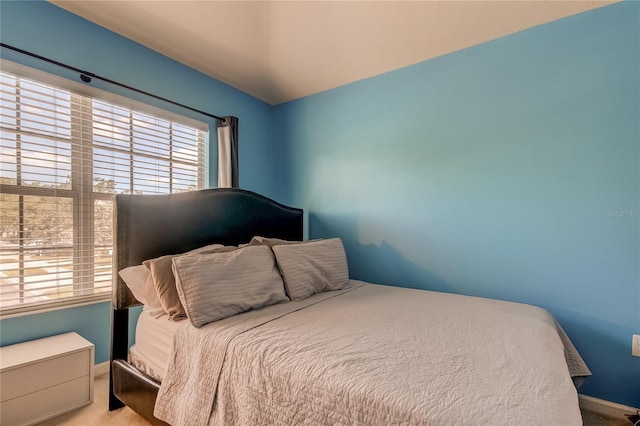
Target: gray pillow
[[312, 267], [165, 283], [218, 285], [270, 242]]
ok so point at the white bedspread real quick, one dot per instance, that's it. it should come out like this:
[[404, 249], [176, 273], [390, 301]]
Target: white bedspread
[[374, 355]]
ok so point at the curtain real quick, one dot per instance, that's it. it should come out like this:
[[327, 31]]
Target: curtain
[[228, 153]]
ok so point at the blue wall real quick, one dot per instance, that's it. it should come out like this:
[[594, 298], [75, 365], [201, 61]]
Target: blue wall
[[47, 30], [507, 170]]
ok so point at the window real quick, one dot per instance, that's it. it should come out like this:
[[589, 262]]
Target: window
[[62, 157]]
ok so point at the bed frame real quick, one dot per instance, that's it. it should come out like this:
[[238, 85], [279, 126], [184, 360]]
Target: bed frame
[[148, 226]]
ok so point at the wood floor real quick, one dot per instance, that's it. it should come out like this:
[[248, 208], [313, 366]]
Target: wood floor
[[98, 414]]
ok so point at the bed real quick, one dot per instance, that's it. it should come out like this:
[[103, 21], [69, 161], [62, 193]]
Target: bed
[[354, 353]]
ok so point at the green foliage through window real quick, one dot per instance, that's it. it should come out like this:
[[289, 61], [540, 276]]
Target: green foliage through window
[[63, 156]]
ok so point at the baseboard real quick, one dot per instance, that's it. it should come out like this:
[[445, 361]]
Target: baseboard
[[604, 407], [100, 369]]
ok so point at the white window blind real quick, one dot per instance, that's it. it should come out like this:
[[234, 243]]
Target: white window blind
[[63, 156]]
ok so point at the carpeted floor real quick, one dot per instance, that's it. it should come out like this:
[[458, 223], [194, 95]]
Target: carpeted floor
[[98, 414]]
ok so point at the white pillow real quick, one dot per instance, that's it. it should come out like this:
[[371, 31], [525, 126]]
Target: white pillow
[[139, 280], [312, 267], [218, 285]]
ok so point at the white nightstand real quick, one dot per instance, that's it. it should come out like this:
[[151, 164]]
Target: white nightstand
[[43, 378]]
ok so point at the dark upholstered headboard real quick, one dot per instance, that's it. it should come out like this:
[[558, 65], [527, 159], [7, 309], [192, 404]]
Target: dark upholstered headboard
[[148, 226]]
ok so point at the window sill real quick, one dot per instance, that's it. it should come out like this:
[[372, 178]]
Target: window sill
[[54, 306]]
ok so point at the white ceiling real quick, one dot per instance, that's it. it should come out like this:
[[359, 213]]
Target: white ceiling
[[284, 50]]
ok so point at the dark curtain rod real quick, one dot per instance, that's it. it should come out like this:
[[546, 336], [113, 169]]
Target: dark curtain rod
[[86, 77]]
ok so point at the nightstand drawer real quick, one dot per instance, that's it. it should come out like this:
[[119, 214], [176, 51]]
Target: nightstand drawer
[[41, 375], [44, 404]]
